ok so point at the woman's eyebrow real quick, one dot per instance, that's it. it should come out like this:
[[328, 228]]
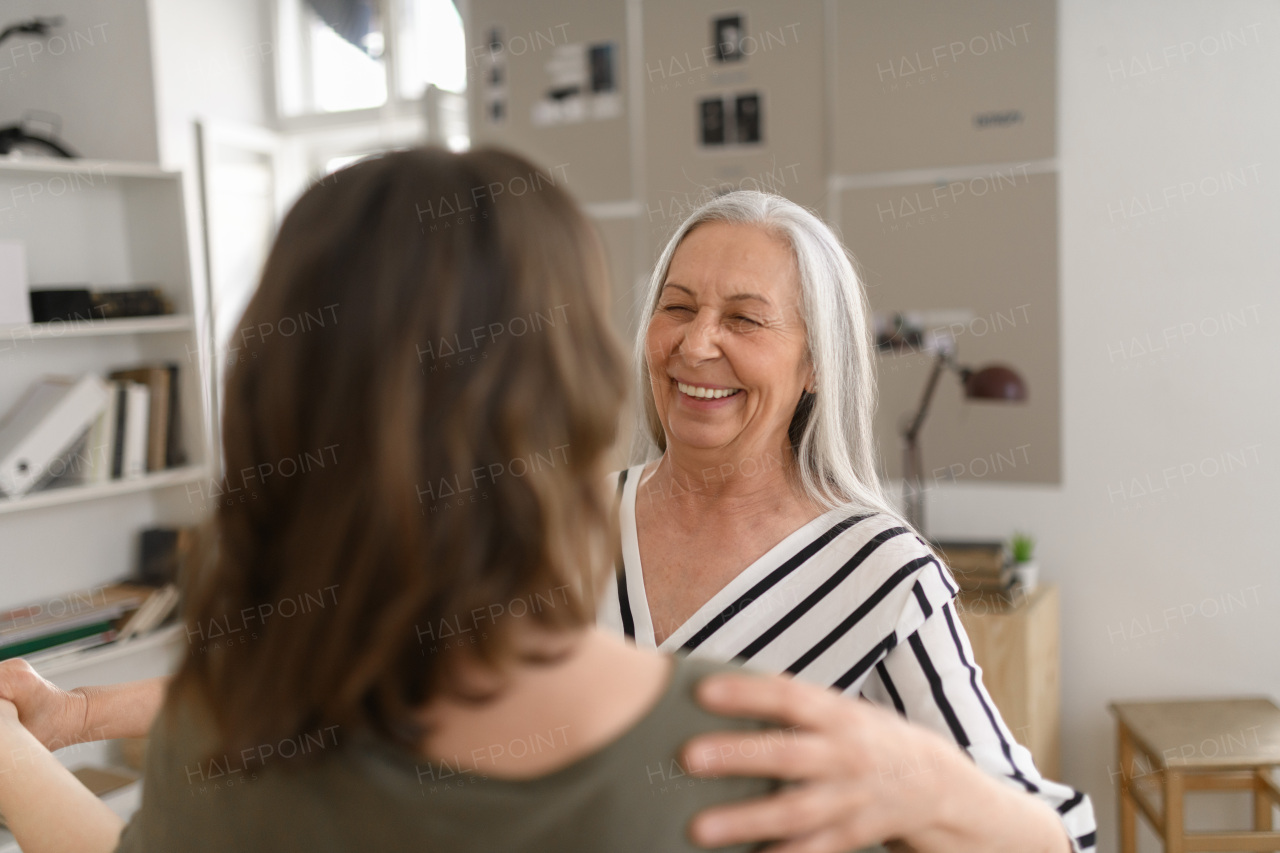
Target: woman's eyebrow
[[737, 297]]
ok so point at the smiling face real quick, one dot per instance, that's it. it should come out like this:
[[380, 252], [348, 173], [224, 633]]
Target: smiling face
[[726, 347]]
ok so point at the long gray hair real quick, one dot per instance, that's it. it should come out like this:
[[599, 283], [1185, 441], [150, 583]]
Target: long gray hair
[[831, 429]]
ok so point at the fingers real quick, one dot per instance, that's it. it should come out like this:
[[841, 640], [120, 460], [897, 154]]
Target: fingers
[[838, 839], [776, 754], [797, 812], [779, 700], [16, 676]]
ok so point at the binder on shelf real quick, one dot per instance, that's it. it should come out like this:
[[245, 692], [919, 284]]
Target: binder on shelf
[[14, 308], [44, 424]]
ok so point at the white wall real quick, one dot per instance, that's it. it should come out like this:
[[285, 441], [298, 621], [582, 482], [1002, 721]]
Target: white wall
[[94, 72], [1171, 593], [213, 61]]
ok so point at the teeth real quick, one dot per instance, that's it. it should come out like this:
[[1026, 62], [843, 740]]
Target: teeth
[[706, 393]]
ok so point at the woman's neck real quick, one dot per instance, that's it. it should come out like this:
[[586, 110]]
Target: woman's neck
[[699, 481]]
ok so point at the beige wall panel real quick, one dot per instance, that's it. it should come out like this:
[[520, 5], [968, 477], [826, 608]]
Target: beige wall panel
[[619, 238], [925, 83], [988, 246], [595, 153], [781, 59]]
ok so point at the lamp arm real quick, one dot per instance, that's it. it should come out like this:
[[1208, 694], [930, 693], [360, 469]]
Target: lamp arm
[[917, 420]]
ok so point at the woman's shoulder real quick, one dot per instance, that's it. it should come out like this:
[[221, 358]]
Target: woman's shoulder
[[882, 546], [857, 529]]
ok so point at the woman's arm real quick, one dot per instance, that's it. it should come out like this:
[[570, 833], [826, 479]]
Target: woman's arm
[[60, 718], [867, 775], [933, 680], [47, 808]]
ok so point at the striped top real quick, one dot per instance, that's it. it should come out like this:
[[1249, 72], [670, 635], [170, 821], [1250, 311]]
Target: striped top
[[860, 604]]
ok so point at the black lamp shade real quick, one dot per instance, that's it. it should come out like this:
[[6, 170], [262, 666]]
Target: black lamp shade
[[995, 382]]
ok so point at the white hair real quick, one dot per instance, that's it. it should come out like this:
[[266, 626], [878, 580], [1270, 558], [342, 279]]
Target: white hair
[[834, 449]]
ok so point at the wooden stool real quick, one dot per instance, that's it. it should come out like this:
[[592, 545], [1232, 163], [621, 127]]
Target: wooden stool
[[1211, 745]]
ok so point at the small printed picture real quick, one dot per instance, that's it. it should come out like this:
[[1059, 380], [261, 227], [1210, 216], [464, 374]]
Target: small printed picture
[[600, 61], [727, 34], [747, 118], [712, 121]]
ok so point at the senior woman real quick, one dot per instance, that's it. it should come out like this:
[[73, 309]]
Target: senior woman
[[763, 535], [754, 528]]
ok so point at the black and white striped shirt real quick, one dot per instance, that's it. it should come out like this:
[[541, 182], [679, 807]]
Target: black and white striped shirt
[[858, 603]]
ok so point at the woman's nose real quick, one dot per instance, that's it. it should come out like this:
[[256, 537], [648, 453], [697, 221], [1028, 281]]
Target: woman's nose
[[701, 338]]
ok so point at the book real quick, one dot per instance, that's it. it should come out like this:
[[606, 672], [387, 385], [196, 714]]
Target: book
[[35, 644], [974, 558], [43, 425], [72, 610], [137, 419], [131, 302], [161, 553], [158, 379], [153, 612], [122, 417], [175, 454], [69, 304], [100, 449], [985, 583], [83, 644]]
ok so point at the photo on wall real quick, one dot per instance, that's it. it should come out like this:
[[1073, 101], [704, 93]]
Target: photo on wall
[[728, 121], [727, 33], [601, 64], [581, 85], [747, 119], [712, 122], [495, 78]]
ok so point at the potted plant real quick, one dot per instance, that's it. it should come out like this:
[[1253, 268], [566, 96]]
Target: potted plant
[[1025, 568]]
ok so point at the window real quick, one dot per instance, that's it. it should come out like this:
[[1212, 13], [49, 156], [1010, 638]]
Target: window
[[430, 48], [343, 55]]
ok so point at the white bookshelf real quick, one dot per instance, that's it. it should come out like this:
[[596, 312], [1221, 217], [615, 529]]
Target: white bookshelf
[[168, 324], [105, 226], [187, 475]]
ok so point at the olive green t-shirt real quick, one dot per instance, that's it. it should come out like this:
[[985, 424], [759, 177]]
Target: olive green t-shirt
[[368, 795]]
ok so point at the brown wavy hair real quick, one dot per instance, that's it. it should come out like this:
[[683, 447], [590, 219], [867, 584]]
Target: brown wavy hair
[[466, 338]]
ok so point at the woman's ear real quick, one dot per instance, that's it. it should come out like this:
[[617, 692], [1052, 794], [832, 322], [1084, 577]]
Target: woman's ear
[[811, 380]]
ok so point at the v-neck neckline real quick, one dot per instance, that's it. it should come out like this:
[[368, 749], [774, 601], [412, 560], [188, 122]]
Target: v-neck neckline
[[730, 592]]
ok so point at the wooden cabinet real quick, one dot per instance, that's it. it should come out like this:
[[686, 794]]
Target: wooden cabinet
[[1017, 645]]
